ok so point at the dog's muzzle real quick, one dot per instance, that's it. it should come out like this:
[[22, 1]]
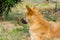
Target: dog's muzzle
[[23, 21]]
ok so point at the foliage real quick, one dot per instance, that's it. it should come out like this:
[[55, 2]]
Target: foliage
[[5, 6]]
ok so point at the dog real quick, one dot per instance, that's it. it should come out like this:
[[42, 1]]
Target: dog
[[40, 28]]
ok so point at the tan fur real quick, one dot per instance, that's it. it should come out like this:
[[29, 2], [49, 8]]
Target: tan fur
[[40, 28]]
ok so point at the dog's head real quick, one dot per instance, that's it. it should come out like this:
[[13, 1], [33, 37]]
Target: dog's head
[[32, 15], [36, 20]]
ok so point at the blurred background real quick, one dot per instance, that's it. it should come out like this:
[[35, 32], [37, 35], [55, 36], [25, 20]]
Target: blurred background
[[12, 11]]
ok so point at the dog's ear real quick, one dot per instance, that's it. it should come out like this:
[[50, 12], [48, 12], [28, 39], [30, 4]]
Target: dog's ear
[[30, 11], [28, 8]]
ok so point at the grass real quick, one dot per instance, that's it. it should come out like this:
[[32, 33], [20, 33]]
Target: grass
[[15, 34], [18, 12]]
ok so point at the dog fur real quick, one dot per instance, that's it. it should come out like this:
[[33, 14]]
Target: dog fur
[[40, 28]]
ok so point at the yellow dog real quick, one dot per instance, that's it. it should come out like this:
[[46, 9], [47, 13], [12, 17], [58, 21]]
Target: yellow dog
[[40, 28]]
